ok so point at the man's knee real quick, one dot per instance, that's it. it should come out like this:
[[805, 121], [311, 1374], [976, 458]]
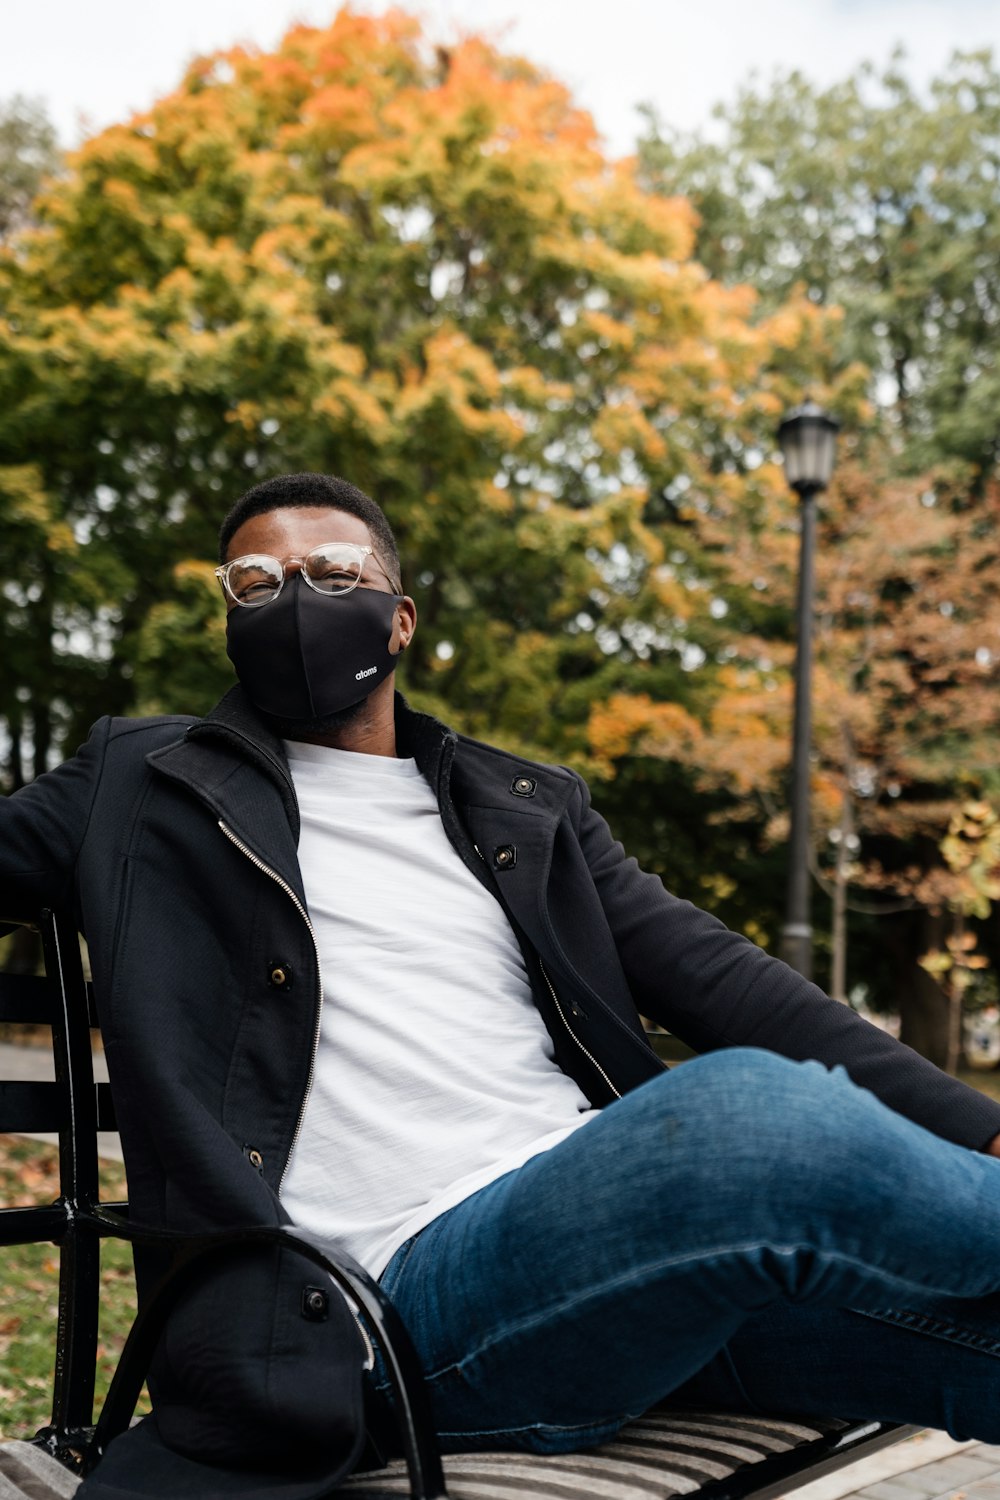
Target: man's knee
[[749, 1120]]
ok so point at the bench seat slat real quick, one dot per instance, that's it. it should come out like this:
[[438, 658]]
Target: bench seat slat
[[27, 1471], [700, 1466], [757, 1442], [700, 1450], [791, 1432], [603, 1475], [659, 1455]]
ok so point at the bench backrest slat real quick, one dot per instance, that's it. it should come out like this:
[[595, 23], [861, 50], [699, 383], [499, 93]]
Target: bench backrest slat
[[74, 1107], [28, 1107], [105, 1107], [28, 999], [42, 1108]]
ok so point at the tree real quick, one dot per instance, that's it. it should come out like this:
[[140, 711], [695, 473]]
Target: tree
[[28, 154], [881, 201], [411, 266], [869, 196], [971, 850], [907, 640]]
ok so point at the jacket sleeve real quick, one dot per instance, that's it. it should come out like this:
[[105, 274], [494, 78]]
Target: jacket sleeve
[[42, 828], [714, 988]]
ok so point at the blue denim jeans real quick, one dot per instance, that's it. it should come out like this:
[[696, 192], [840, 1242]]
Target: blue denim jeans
[[743, 1232]]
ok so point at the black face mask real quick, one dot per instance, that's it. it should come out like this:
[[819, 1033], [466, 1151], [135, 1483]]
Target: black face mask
[[306, 656]]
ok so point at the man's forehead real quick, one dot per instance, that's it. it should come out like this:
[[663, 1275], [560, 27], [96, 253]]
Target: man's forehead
[[294, 530]]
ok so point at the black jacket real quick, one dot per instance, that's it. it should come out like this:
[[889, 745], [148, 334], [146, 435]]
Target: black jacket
[[175, 840]]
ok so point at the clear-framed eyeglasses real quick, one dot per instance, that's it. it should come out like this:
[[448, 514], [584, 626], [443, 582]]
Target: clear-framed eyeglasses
[[331, 568]]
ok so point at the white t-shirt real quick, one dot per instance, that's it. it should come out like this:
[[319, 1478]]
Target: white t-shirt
[[435, 1072]]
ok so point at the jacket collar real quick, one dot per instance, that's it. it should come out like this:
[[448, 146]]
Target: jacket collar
[[234, 763], [235, 726], [235, 723]]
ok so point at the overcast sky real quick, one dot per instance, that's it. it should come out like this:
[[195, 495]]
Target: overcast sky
[[96, 62]]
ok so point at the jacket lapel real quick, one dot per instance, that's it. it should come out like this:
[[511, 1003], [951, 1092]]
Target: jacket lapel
[[500, 812], [236, 767]]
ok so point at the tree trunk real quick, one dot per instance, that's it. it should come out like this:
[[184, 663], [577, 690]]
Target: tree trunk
[[15, 756], [955, 1003], [41, 711], [923, 1005], [838, 965], [41, 718]]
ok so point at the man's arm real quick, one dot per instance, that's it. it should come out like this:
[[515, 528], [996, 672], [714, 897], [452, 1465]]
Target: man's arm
[[42, 828], [714, 988]]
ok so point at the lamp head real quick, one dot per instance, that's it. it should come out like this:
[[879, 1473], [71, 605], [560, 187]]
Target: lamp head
[[808, 439]]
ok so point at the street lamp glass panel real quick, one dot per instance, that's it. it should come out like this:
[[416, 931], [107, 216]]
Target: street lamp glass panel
[[808, 438]]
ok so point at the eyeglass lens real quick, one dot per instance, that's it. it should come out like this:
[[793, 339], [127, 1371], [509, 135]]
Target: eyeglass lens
[[332, 569]]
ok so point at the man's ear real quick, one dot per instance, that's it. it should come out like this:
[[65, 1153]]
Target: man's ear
[[403, 626]]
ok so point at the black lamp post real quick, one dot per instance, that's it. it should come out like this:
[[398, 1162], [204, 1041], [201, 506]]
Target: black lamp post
[[808, 437]]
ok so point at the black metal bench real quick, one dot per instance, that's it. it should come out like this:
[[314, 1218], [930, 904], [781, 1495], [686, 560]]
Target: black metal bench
[[667, 1452]]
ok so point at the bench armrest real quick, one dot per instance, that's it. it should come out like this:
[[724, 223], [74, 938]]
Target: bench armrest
[[193, 1251]]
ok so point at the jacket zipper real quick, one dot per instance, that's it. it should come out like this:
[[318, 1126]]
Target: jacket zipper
[[260, 865], [588, 1055]]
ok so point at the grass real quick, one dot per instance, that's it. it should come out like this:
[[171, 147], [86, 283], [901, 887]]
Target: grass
[[29, 1173], [29, 1289]]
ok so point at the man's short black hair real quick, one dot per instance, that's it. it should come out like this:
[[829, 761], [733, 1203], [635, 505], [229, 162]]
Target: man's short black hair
[[303, 490]]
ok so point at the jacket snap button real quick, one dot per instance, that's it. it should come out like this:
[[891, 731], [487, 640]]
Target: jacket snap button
[[523, 786], [315, 1304], [505, 856], [256, 1160], [281, 977]]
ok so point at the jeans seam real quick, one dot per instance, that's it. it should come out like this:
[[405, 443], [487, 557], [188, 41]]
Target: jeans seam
[[640, 1273], [599, 1425], [406, 1248], [938, 1328]]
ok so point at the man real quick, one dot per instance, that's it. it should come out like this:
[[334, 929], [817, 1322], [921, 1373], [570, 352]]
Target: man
[[366, 975]]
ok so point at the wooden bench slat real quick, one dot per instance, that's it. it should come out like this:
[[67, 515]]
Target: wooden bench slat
[[793, 1433], [702, 1450], [613, 1477], [26, 1471], [660, 1454], [759, 1442]]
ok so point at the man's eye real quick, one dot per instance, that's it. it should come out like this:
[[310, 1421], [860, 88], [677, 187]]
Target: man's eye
[[334, 580]]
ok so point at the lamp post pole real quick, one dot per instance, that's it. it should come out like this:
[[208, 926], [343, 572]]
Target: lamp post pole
[[808, 438], [796, 934]]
